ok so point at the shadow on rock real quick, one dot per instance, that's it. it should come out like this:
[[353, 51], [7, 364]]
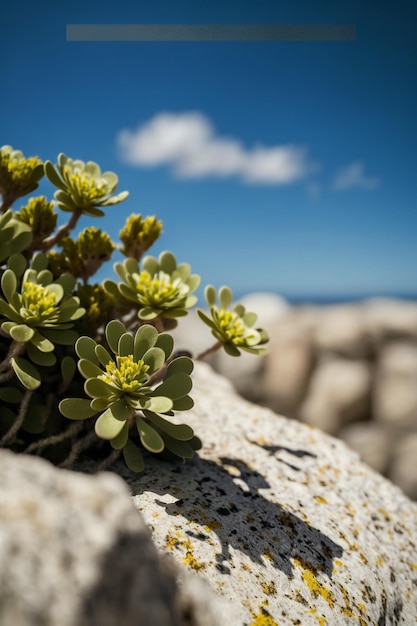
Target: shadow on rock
[[224, 498]]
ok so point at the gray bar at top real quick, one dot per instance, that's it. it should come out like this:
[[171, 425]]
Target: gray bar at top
[[210, 32]]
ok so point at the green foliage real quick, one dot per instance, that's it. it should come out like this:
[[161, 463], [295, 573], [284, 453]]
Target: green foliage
[[232, 327], [73, 377], [18, 175], [138, 235], [160, 288]]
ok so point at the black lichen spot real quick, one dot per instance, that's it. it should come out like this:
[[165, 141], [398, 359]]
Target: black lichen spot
[[222, 510]]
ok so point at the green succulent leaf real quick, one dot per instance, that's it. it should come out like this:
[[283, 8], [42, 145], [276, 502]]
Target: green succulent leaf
[[45, 359], [120, 440], [11, 395], [183, 432], [76, 408], [88, 369], [176, 386], [9, 284], [42, 343], [68, 368], [145, 338], [155, 358], [183, 404], [85, 348], [61, 336], [181, 364], [120, 410], [21, 333], [7, 311], [26, 373], [210, 295], [125, 345], [99, 404], [166, 343], [225, 297], [133, 457], [182, 449], [146, 313], [231, 349], [17, 263], [96, 388], [150, 439], [114, 330], [159, 404], [107, 425], [53, 176], [102, 355]]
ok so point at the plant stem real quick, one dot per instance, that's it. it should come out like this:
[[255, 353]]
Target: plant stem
[[206, 353], [16, 348], [19, 419], [63, 231], [37, 446]]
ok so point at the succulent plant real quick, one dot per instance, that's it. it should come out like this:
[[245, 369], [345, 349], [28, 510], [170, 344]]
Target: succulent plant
[[37, 312], [161, 288], [99, 306], [15, 236], [138, 235], [39, 214], [232, 327], [82, 257], [125, 389], [82, 187], [18, 175]]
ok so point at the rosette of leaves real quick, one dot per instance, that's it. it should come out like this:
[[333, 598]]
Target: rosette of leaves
[[15, 236], [99, 306], [138, 235], [82, 257], [18, 175], [82, 187], [39, 214], [38, 312], [125, 391], [161, 288], [232, 326]]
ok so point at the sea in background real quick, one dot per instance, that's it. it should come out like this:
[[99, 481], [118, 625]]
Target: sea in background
[[325, 300]]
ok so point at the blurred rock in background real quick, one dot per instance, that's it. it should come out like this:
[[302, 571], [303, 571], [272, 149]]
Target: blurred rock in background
[[348, 369]]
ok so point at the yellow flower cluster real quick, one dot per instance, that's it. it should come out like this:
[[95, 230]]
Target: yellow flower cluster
[[127, 374], [37, 301], [86, 186], [157, 289], [232, 326]]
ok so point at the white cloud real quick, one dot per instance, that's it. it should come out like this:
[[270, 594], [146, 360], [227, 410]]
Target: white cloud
[[353, 176], [188, 143]]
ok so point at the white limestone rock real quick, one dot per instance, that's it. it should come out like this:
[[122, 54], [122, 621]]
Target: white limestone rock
[[339, 393], [284, 521], [75, 552], [371, 441], [342, 329], [404, 464], [387, 318], [395, 388]]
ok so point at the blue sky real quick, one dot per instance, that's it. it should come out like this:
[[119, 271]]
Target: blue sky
[[283, 166]]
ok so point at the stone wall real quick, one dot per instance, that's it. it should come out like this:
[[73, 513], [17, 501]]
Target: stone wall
[[350, 370]]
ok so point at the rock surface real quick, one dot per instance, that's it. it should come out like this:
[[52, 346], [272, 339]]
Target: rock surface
[[74, 552], [334, 365], [274, 523], [282, 520]]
